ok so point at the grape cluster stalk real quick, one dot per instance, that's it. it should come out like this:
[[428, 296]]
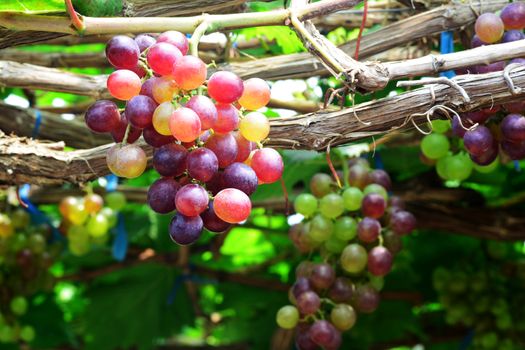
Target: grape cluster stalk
[[207, 133], [356, 231]]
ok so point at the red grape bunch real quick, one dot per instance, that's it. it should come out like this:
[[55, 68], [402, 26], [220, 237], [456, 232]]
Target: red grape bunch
[[357, 231], [207, 134]]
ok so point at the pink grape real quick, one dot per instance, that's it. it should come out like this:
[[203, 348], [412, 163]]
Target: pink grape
[[241, 177], [358, 176], [170, 160], [212, 222], [301, 285], [403, 222], [322, 332], [191, 200], [102, 116], [202, 164], [119, 132], [489, 27], [227, 118], [256, 94], [162, 57], [185, 230], [122, 52], [147, 87], [342, 290], [268, 165], [189, 72], [373, 205], [225, 148], [366, 299], [392, 242], [163, 89], [144, 41], [176, 39], [153, 138], [379, 261], [244, 147], [513, 15], [478, 141], [185, 124], [303, 340], [232, 205], [308, 303], [225, 87], [368, 230], [205, 109], [127, 161], [380, 177], [321, 184], [123, 84], [513, 127], [139, 111], [161, 195]]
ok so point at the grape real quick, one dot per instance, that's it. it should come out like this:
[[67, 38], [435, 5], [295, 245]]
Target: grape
[[303, 341], [102, 116], [18, 305], [153, 138], [345, 228], [212, 222], [66, 204], [20, 219], [202, 164], [368, 230], [119, 132], [323, 275], [392, 242], [396, 201], [123, 84], [7, 334], [515, 151], [489, 28], [518, 60], [144, 41], [205, 109], [139, 71], [287, 317], [515, 107], [379, 261], [127, 161], [380, 177], [176, 39], [308, 303], [225, 148], [227, 118], [191, 200], [161, 195], [366, 299], [225, 87], [321, 228], [110, 215], [484, 166], [458, 167], [322, 332], [215, 185], [163, 89], [342, 290], [513, 16], [440, 126], [492, 67], [189, 72], [304, 269], [403, 222], [354, 258], [475, 117], [77, 213], [255, 126], [375, 188], [358, 176], [161, 118], [232, 205], [435, 146], [162, 57], [457, 129], [244, 147], [373, 205], [331, 205], [93, 203], [305, 204], [268, 165], [343, 317], [256, 94], [352, 198], [321, 185], [513, 128], [97, 225], [185, 124], [301, 285], [513, 35], [122, 52], [27, 334], [139, 111], [336, 341], [185, 230], [241, 177], [476, 42]]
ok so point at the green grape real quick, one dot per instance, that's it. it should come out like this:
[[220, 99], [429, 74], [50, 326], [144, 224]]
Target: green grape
[[485, 169], [305, 204], [19, 242], [100, 240], [97, 225], [37, 243], [441, 167], [110, 215], [77, 213], [27, 334], [352, 198], [435, 146], [331, 205], [78, 234], [489, 340], [287, 317], [458, 167], [504, 321], [378, 282], [440, 279], [321, 228], [354, 258], [375, 188], [7, 334], [78, 249], [116, 200], [343, 317], [20, 219], [334, 245], [458, 282], [345, 228], [18, 305], [440, 126]]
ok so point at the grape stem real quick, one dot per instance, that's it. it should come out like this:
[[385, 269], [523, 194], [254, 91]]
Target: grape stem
[[201, 29], [75, 19], [125, 139]]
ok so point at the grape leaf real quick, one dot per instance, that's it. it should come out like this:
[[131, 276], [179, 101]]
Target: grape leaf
[[284, 37], [32, 6]]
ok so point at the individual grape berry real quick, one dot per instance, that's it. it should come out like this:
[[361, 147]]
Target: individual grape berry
[[18, 305], [345, 228], [241, 177], [403, 222], [227, 118], [336, 340], [170, 160], [153, 138], [321, 185], [512, 35], [161, 118], [163, 89], [212, 222], [162, 57], [321, 228], [161, 195], [368, 230], [476, 42], [127, 161], [97, 225], [191, 200], [308, 303], [479, 140], [147, 87], [268, 165], [323, 276], [476, 116], [185, 230], [205, 109], [93, 203], [287, 317], [358, 176], [380, 177], [139, 111], [303, 340], [331, 205], [352, 198], [225, 148], [122, 52], [379, 261], [102, 116], [189, 72], [354, 258], [513, 16], [515, 151], [343, 317], [492, 67], [144, 41], [366, 299], [202, 164], [515, 107], [120, 131], [215, 184], [435, 146], [225, 87], [256, 94], [322, 332], [254, 127], [185, 124], [392, 242], [176, 39], [513, 128], [377, 189], [305, 204], [342, 290], [301, 285], [489, 27], [123, 84], [244, 147], [373, 205], [458, 167], [232, 205]]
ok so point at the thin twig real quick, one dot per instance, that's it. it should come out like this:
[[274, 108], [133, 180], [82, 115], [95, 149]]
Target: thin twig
[[440, 80]]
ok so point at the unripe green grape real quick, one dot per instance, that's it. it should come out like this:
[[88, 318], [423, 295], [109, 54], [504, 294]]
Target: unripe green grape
[[7, 334], [18, 242], [116, 200], [352, 198], [321, 228], [18, 305], [321, 184], [458, 167], [343, 317], [27, 334], [20, 218], [375, 188], [435, 146], [441, 167], [489, 340], [440, 126], [331, 205], [354, 258], [334, 245], [97, 225], [287, 317], [110, 215], [100, 240], [37, 243], [485, 169], [78, 248], [77, 213], [305, 204], [345, 228]]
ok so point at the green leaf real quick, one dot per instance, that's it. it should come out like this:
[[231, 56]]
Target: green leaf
[[284, 37], [32, 6]]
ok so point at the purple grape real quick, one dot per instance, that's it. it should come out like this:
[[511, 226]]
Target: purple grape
[[205, 109], [396, 201], [304, 269], [476, 42], [373, 205], [492, 67], [102, 116], [212, 222], [379, 261], [147, 87], [191, 200], [185, 230], [368, 229], [241, 177], [323, 275], [161, 195], [170, 160], [457, 129], [118, 133], [144, 41], [153, 138], [122, 52], [322, 332], [301, 285], [366, 299], [225, 148], [518, 60], [215, 184], [512, 35], [515, 151], [403, 222], [392, 241], [513, 15], [515, 107], [202, 164], [303, 340], [488, 157], [342, 290], [139, 111], [513, 128], [308, 303], [475, 117], [380, 177], [478, 141], [336, 341]]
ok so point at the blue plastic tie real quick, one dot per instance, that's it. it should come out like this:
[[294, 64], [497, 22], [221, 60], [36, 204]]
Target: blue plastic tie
[[38, 122], [517, 165], [447, 46], [120, 243], [378, 161], [112, 183]]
